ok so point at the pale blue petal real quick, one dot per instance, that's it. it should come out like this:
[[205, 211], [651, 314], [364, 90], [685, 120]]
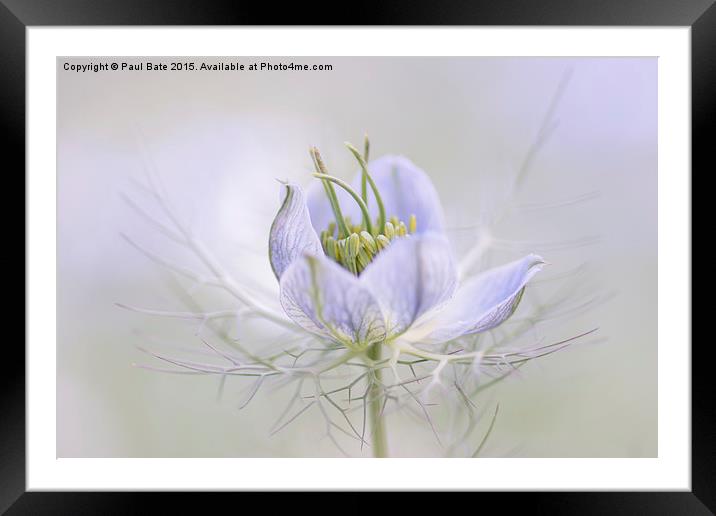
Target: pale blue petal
[[291, 232], [318, 206], [413, 275], [406, 190], [483, 302], [326, 299]]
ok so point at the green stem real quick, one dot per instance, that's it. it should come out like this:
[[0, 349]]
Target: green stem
[[377, 420]]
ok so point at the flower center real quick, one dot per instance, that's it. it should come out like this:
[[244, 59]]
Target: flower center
[[357, 250], [355, 245]]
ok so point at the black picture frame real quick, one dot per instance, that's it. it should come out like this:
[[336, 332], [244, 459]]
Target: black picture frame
[[17, 15]]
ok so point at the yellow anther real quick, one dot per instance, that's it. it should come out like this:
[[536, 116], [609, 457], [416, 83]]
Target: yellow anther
[[401, 230], [353, 245], [395, 221], [382, 242], [362, 260], [368, 242], [331, 248], [413, 224], [389, 230], [352, 265], [349, 249]]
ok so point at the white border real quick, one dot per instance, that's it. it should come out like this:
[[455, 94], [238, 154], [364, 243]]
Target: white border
[[670, 471]]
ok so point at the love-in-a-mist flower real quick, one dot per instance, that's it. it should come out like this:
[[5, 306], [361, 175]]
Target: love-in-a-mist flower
[[368, 262]]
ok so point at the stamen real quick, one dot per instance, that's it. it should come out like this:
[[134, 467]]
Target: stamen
[[363, 259], [368, 242], [352, 248], [332, 248], [357, 251], [382, 242], [353, 244]]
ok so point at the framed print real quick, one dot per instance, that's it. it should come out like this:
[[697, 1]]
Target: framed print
[[395, 256]]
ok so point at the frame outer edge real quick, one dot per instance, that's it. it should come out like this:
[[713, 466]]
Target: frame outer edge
[[703, 125], [12, 378]]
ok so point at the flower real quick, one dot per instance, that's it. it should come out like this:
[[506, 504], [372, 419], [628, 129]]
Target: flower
[[387, 277]]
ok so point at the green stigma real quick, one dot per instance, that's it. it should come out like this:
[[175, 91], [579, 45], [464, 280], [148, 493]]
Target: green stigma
[[354, 245]]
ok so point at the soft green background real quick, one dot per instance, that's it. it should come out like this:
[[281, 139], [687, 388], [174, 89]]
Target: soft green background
[[219, 141]]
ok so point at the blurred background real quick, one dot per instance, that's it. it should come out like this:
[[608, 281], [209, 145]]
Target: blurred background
[[219, 140]]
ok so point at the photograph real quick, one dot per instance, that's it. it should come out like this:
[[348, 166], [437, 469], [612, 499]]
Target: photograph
[[353, 257]]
